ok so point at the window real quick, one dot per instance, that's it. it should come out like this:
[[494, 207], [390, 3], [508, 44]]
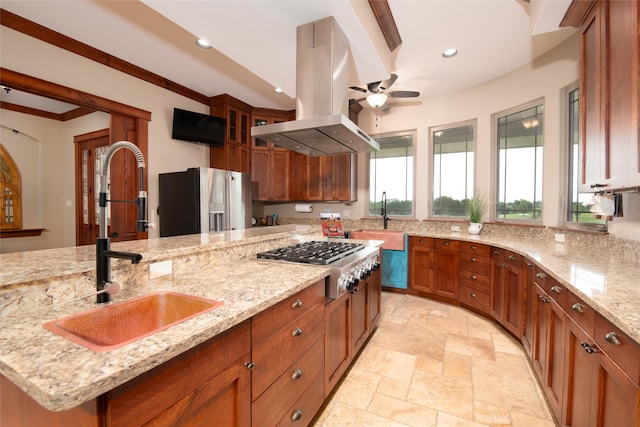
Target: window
[[391, 172], [10, 192], [519, 159], [453, 168], [578, 214]]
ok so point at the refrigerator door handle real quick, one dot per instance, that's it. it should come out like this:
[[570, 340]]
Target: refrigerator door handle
[[228, 202]]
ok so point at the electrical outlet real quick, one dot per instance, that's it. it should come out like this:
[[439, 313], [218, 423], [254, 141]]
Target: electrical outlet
[[559, 238], [455, 228], [346, 213], [159, 269]]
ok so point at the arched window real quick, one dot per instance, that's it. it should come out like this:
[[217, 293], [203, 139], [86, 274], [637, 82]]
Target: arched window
[[10, 193]]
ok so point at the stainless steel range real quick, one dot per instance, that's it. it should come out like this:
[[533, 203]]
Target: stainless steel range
[[348, 262]]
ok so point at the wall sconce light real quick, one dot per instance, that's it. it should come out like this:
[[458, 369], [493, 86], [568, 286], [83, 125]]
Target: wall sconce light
[[377, 99]]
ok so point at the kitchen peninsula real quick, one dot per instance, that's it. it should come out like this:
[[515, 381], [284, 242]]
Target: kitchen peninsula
[[45, 285]]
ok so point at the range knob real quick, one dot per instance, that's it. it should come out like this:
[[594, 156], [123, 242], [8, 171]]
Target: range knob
[[351, 283], [376, 265]]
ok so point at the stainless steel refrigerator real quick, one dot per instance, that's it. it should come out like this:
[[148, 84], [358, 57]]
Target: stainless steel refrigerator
[[200, 200]]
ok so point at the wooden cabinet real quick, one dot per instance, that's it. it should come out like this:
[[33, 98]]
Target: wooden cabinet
[[329, 178], [527, 328], [474, 275], [235, 155], [608, 93], [507, 290], [269, 163], [548, 341], [359, 316], [421, 264], [337, 340], [287, 355], [375, 295], [208, 384], [446, 268]]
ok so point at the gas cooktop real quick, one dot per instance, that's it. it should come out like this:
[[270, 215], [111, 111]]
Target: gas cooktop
[[314, 252]]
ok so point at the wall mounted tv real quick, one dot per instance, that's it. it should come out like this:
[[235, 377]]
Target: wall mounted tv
[[195, 127]]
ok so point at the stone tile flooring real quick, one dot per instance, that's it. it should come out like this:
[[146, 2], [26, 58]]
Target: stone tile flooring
[[430, 364]]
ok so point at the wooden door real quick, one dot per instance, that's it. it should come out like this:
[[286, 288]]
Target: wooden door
[[579, 377], [553, 380], [446, 274], [527, 330], [87, 184], [337, 340], [336, 177], [421, 264], [360, 315], [541, 307], [498, 269], [513, 299], [279, 175], [616, 397]]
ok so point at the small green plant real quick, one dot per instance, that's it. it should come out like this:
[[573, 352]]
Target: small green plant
[[475, 208]]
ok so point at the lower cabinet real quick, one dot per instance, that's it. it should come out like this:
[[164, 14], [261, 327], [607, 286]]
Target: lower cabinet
[[527, 329], [421, 264], [446, 269], [337, 340], [474, 276], [507, 290]]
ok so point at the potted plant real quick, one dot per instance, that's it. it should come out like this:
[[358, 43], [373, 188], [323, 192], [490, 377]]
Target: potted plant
[[475, 208]]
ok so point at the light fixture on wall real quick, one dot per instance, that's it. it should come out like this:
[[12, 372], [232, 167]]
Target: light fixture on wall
[[530, 123], [377, 99]]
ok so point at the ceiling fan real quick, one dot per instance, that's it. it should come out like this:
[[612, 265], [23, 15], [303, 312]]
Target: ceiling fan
[[377, 95]]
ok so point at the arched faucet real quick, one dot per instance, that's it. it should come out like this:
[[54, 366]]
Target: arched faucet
[[103, 253], [383, 210]]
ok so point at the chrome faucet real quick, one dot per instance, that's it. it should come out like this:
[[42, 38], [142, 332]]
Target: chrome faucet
[[383, 210], [103, 253]]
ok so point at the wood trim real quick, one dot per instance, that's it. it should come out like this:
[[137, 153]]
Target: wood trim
[[47, 35], [72, 114], [577, 12], [48, 89], [23, 232], [387, 24]]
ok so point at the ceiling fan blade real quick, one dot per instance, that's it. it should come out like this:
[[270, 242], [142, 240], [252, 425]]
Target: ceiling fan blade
[[403, 94], [358, 99], [358, 89], [386, 84]]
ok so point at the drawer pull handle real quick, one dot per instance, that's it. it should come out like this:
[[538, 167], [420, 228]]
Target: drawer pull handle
[[421, 240], [296, 374], [445, 243], [578, 308], [296, 304], [612, 338], [502, 266], [497, 252], [541, 275], [529, 265], [556, 289], [473, 260], [474, 277], [296, 332], [543, 299], [249, 365], [297, 414], [473, 295], [588, 347], [473, 247], [512, 258]]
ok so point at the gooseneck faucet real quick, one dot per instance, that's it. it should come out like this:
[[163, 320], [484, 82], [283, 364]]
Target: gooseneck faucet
[[103, 252], [383, 210]]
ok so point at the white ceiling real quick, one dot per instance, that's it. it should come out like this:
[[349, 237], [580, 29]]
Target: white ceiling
[[254, 41]]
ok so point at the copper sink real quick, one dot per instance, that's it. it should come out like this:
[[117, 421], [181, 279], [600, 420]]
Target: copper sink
[[393, 239], [107, 328]]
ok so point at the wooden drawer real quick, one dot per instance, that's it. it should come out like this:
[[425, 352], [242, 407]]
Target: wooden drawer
[[446, 245], [475, 263], [581, 313], [626, 353], [423, 242], [266, 323], [475, 280], [305, 408], [475, 248], [283, 393], [511, 258], [274, 355], [552, 287], [475, 296]]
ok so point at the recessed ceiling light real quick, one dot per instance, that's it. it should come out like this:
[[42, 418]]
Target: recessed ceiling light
[[278, 90], [450, 52], [203, 44]]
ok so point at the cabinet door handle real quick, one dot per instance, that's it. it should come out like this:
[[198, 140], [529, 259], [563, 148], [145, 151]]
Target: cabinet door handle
[[473, 295], [497, 252], [543, 299], [612, 337], [502, 266], [512, 258], [296, 374], [296, 332], [473, 259], [445, 243], [529, 265], [598, 185], [421, 240], [249, 365], [474, 277], [541, 275], [296, 304], [578, 308], [556, 289], [588, 347], [297, 414], [473, 247]]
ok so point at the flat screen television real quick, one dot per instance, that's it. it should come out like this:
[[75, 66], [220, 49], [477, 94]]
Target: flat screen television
[[196, 127]]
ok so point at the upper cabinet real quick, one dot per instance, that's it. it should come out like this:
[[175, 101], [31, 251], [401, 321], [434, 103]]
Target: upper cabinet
[[236, 153], [609, 93]]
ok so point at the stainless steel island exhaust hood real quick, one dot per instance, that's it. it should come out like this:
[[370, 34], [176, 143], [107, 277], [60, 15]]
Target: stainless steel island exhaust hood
[[322, 104]]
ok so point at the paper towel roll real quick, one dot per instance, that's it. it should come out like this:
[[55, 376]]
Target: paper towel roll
[[304, 208]]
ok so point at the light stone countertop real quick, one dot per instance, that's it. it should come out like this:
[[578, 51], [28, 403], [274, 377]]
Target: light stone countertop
[[60, 374]]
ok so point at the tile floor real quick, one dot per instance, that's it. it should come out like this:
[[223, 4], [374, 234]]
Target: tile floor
[[434, 365]]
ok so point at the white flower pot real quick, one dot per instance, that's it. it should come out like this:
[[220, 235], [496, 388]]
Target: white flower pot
[[474, 228]]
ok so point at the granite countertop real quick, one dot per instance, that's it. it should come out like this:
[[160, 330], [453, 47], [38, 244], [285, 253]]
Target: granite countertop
[[61, 374]]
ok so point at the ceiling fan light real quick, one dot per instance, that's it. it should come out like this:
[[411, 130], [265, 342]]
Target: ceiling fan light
[[377, 99]]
